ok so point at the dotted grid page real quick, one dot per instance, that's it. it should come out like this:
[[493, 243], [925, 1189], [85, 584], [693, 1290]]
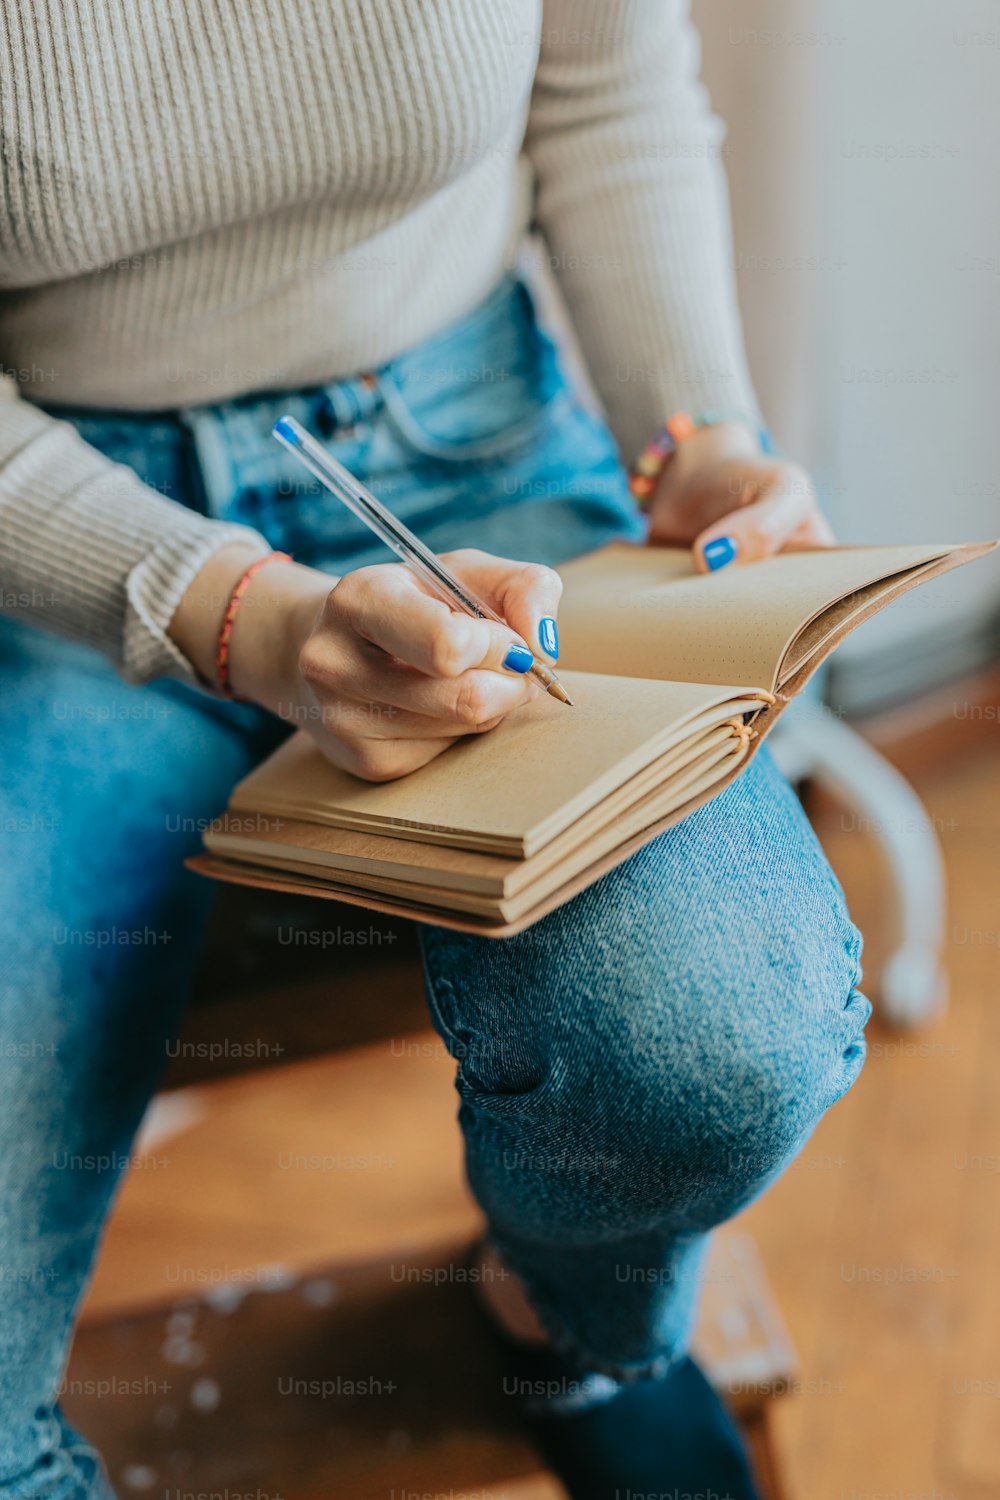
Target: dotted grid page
[[645, 612]]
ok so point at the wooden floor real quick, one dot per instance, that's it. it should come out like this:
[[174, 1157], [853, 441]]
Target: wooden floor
[[881, 1242]]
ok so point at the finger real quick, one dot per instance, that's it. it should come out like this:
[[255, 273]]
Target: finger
[[781, 516], [361, 691], [356, 719], [817, 532], [454, 705], [381, 760], [460, 704], [526, 594], [387, 607]]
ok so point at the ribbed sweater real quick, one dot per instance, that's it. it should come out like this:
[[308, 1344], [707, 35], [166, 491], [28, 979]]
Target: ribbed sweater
[[200, 198]]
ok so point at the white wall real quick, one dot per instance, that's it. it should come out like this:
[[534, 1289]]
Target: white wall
[[863, 162]]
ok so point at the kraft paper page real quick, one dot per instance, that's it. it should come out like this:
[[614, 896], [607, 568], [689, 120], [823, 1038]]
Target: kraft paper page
[[646, 612], [262, 839], [545, 878], [510, 790]]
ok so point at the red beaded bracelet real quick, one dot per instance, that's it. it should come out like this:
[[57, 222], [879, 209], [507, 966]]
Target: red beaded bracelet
[[232, 609]]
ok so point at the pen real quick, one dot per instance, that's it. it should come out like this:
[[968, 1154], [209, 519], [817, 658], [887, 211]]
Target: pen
[[397, 536]]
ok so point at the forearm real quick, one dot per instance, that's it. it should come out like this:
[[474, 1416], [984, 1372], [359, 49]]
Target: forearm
[[89, 551], [632, 200], [274, 618]]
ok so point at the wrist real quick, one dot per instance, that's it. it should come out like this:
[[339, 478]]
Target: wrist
[[277, 614], [198, 617], [720, 443], [685, 443]]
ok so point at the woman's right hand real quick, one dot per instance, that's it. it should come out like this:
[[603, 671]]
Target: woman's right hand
[[382, 674]]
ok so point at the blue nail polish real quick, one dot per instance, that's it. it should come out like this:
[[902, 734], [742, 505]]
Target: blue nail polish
[[718, 552], [548, 635], [518, 659]]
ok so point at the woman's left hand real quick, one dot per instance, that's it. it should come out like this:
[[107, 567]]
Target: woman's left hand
[[730, 502]]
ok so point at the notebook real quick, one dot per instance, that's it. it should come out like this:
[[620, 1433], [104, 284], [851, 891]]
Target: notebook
[[676, 678]]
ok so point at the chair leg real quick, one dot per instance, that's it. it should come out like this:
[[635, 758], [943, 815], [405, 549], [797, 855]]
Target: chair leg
[[882, 802], [760, 1441]]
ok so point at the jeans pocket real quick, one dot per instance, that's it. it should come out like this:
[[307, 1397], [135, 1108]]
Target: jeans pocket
[[237, 469], [483, 390]]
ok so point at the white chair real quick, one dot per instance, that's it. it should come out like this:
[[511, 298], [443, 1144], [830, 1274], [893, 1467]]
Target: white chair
[[817, 745]]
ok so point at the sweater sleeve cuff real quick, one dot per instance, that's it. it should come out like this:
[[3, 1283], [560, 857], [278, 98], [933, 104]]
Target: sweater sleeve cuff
[[154, 588], [89, 551]]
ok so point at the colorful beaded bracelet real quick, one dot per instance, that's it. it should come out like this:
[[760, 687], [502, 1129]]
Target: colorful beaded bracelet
[[656, 455], [228, 619], [649, 466]]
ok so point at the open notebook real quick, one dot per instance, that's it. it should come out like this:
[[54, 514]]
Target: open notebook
[[675, 676]]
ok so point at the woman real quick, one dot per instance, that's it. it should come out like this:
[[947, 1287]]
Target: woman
[[212, 214]]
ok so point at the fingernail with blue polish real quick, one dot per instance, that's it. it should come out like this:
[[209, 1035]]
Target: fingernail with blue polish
[[548, 635], [518, 659], [719, 552]]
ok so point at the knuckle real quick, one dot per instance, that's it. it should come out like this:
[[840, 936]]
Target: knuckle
[[356, 590], [465, 557], [765, 532], [446, 651], [473, 703], [538, 576], [314, 664], [344, 587], [340, 601]]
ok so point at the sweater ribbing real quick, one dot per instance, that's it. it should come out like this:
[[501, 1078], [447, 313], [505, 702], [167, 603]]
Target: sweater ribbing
[[202, 198]]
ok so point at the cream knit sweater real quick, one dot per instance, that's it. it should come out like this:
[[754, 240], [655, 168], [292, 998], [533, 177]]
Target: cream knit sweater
[[205, 197]]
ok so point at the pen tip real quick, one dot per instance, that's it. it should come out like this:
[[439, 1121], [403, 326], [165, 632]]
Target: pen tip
[[557, 690], [284, 428]]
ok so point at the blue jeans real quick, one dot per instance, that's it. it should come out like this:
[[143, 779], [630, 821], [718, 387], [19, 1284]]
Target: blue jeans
[[632, 1070]]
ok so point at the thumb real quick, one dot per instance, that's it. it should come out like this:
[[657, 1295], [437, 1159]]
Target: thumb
[[760, 529], [526, 595], [505, 652]]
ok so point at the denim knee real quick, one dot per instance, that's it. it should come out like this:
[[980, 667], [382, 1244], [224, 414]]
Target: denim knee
[[652, 1053], [665, 1089], [693, 1118]]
